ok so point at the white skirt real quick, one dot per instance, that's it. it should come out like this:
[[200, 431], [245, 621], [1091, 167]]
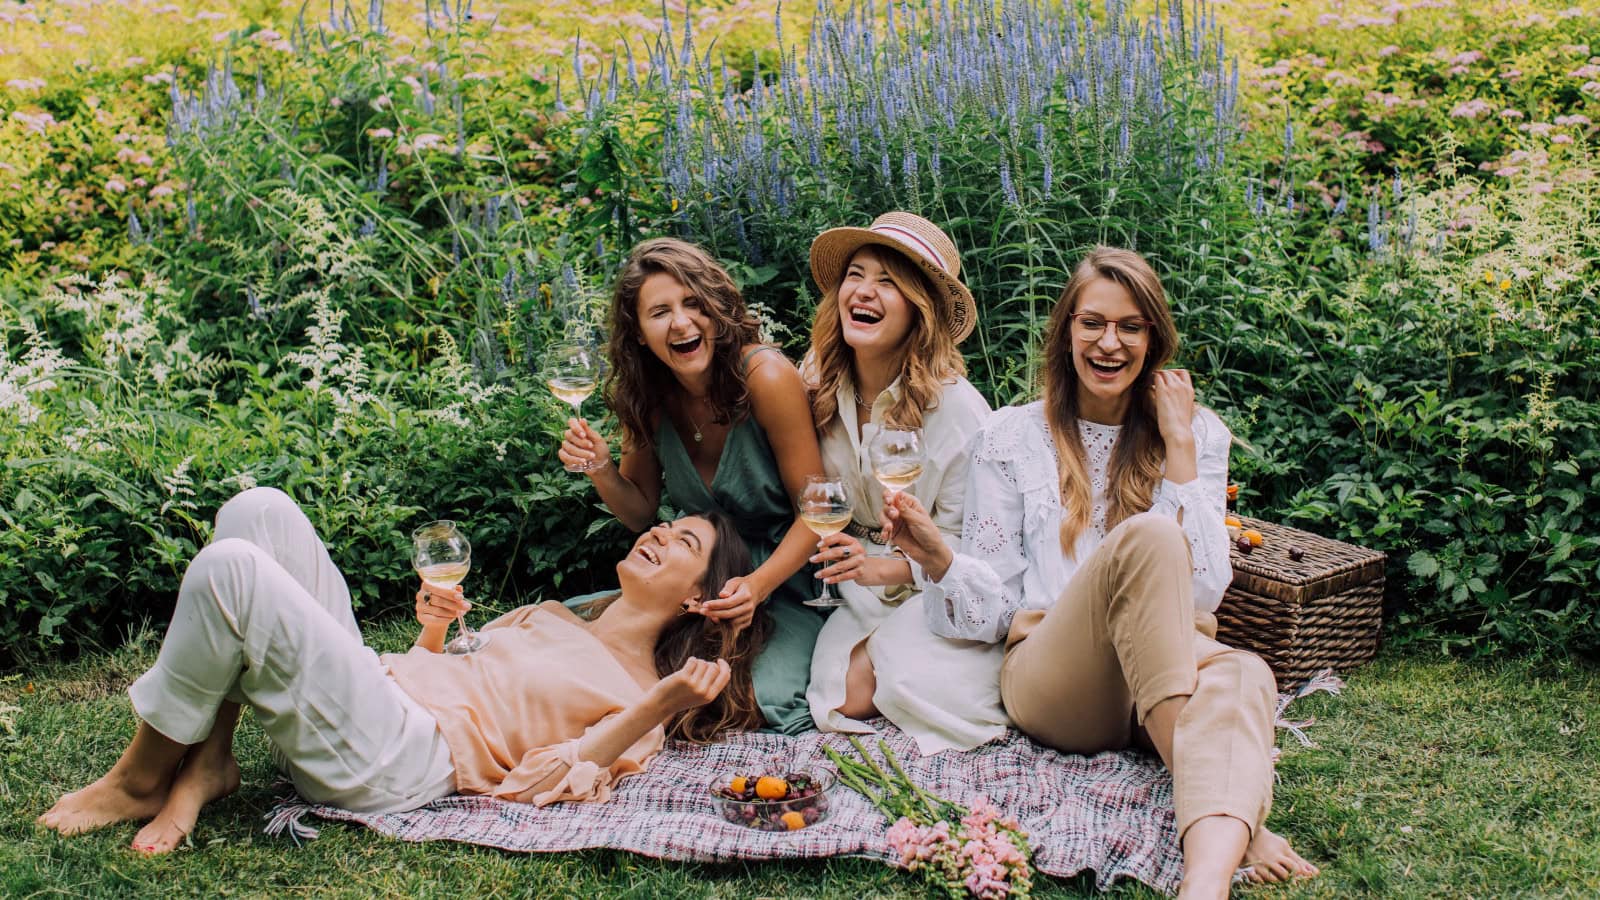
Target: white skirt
[[944, 693]]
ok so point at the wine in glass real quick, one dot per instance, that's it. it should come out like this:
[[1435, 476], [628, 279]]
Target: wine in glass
[[572, 371], [825, 508], [441, 555], [896, 455]]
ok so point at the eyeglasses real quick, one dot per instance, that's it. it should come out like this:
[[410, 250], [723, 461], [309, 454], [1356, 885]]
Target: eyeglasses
[[1132, 331]]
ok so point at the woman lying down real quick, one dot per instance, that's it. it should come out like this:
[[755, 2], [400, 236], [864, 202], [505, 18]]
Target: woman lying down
[[553, 708]]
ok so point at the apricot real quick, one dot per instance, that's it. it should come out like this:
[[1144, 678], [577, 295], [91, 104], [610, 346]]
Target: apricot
[[1235, 521], [793, 821], [1254, 536], [771, 788], [738, 784]]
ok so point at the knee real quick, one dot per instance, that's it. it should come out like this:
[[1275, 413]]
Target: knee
[[220, 561], [1250, 674], [1149, 530], [248, 506]]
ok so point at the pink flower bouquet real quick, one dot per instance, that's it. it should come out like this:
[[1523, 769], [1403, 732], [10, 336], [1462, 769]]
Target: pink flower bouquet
[[962, 852]]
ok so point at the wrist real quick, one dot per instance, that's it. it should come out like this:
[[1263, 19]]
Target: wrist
[[938, 564]]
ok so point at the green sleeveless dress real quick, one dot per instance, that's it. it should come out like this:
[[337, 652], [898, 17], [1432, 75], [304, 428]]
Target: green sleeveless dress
[[749, 488]]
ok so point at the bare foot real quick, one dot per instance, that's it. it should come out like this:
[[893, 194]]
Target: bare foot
[[105, 802], [1270, 859], [199, 782]]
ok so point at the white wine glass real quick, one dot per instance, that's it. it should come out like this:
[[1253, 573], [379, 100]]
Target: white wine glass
[[825, 508], [442, 556], [572, 371], [896, 456]]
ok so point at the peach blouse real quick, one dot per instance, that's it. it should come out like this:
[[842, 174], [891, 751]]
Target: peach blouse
[[513, 712]]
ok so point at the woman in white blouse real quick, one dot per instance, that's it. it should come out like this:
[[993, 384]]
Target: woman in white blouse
[[884, 352], [1094, 548]]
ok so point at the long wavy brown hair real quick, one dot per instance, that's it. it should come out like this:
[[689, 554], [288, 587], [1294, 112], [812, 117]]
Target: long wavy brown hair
[[639, 384], [735, 709], [931, 358], [1137, 458]]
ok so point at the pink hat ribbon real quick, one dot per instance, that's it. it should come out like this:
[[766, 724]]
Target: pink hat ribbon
[[918, 244]]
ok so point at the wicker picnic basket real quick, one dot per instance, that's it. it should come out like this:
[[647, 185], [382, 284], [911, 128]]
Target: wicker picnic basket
[[1301, 616]]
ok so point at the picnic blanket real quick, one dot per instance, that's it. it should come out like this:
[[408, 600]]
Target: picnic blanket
[[1110, 813]]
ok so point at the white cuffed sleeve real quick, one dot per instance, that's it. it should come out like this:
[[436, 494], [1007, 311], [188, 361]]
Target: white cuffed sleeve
[[1203, 503], [983, 587]]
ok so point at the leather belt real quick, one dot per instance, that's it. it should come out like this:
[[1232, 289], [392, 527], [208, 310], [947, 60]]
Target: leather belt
[[862, 533]]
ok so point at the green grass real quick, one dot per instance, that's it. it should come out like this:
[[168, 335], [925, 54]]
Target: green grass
[[1431, 778]]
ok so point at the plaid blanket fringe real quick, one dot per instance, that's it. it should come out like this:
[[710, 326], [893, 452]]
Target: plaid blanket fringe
[[1110, 813]]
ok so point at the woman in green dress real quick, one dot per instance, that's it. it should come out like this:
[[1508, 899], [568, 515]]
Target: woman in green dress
[[722, 422]]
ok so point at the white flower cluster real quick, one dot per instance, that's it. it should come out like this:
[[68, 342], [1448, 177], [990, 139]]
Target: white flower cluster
[[336, 370], [21, 380]]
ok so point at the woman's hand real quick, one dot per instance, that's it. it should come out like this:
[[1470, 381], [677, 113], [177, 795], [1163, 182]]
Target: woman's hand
[[911, 529], [583, 446], [696, 684], [736, 603], [437, 607], [842, 558], [1172, 395]]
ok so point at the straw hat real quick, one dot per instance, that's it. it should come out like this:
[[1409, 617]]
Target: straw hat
[[920, 241]]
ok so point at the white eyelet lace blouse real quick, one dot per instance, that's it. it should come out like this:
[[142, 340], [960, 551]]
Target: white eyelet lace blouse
[[1011, 557]]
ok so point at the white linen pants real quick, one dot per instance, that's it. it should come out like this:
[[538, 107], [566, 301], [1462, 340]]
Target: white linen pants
[[264, 619]]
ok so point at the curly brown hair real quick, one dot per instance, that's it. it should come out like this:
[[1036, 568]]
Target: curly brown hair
[[735, 709], [639, 384]]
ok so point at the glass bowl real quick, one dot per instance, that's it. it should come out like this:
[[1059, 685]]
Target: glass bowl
[[789, 813]]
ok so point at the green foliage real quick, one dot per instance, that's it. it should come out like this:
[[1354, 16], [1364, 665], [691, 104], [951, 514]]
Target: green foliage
[[359, 243]]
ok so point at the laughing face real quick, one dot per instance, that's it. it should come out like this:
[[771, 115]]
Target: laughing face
[[674, 326], [1106, 367], [669, 561], [873, 314]]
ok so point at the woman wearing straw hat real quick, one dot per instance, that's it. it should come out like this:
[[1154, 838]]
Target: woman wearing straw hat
[[1094, 551], [884, 354]]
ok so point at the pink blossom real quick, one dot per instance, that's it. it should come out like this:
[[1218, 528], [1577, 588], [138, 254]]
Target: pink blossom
[[1590, 71], [1390, 50], [427, 141], [116, 186], [1561, 139], [1507, 171], [158, 78], [1541, 187], [1467, 58], [1470, 109], [161, 190], [379, 133], [1511, 114], [1574, 119]]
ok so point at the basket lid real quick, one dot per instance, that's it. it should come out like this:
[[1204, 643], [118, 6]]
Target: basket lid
[[1325, 566]]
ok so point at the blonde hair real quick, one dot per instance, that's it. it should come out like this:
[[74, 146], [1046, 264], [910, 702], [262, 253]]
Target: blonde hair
[[931, 358], [1139, 454]]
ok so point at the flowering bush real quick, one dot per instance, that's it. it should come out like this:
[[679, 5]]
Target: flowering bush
[[1376, 229], [960, 852]]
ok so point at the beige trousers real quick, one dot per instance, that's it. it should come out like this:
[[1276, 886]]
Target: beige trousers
[[1124, 636], [263, 618]]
